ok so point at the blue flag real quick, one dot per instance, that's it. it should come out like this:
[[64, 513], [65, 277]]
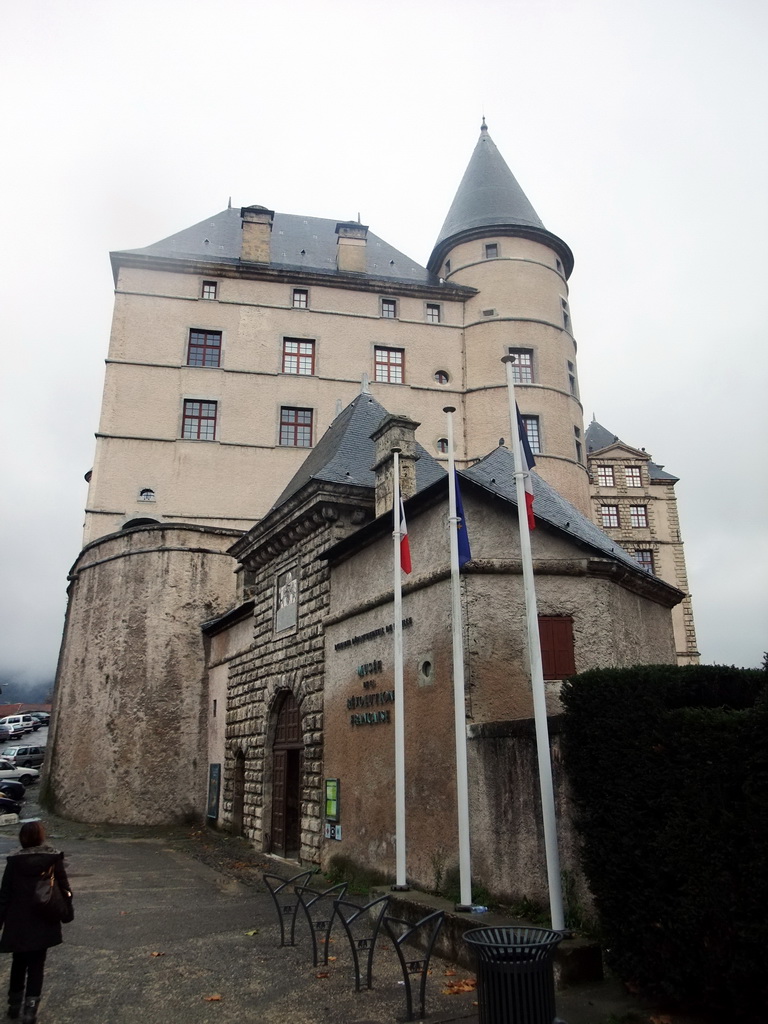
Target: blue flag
[[461, 527]]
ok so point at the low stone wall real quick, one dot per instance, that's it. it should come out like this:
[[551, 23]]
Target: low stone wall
[[507, 834]]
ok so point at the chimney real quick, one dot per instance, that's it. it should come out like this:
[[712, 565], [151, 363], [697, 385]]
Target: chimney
[[350, 246], [394, 432], [257, 227]]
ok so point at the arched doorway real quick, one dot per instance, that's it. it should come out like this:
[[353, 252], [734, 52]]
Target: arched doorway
[[238, 794], [286, 778]]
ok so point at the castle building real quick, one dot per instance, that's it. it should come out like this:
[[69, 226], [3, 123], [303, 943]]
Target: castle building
[[634, 502], [235, 342], [233, 584]]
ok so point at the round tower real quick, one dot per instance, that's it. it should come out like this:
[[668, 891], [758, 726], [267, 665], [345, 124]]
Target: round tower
[[494, 241]]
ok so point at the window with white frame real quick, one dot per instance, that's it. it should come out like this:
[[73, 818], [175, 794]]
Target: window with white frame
[[389, 365], [644, 558], [204, 348], [572, 379], [295, 427], [531, 424], [632, 476], [199, 423], [609, 515], [638, 515], [300, 298], [605, 477], [522, 368], [433, 312], [298, 356], [389, 309], [210, 290]]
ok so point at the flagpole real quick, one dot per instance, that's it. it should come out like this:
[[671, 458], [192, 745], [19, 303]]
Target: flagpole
[[537, 671], [459, 705], [400, 879]]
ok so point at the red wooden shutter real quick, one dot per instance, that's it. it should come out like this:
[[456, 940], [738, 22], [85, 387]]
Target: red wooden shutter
[[557, 655]]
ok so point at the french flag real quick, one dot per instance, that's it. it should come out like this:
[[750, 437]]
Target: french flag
[[528, 463], [405, 547]]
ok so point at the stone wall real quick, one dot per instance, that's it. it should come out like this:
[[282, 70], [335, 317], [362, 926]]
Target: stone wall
[[129, 734], [507, 833], [612, 624], [279, 660]]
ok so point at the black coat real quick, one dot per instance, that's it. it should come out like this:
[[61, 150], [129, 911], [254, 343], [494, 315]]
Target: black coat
[[24, 929]]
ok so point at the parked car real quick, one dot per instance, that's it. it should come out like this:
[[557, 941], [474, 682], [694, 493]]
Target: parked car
[[24, 757], [9, 806], [26, 776], [12, 788], [5, 733], [42, 716], [30, 724], [16, 724]]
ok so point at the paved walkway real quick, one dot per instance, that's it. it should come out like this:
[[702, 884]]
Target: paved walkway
[[172, 926]]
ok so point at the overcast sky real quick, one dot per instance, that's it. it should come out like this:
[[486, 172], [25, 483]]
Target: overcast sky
[[638, 132]]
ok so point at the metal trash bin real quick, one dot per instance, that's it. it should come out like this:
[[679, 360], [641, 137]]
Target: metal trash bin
[[515, 978]]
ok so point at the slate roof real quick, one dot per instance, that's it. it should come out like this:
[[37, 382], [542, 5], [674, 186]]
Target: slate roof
[[598, 437], [489, 196], [296, 244], [495, 472], [345, 453]]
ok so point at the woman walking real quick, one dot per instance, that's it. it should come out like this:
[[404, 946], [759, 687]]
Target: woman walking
[[28, 933]]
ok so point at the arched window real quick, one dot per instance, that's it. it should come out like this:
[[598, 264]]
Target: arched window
[[442, 445], [146, 494]]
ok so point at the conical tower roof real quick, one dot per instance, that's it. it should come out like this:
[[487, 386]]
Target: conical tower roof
[[489, 201]]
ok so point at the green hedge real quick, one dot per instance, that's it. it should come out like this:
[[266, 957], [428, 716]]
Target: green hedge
[[669, 771]]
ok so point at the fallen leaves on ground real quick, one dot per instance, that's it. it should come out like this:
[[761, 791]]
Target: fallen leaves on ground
[[157, 954], [215, 998], [332, 958], [323, 974], [253, 931], [455, 988], [450, 974]]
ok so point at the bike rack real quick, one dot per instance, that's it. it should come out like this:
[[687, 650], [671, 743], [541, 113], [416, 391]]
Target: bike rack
[[350, 914], [308, 898], [409, 968], [279, 885]]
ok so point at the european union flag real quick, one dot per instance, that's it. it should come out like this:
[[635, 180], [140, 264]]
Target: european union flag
[[464, 553]]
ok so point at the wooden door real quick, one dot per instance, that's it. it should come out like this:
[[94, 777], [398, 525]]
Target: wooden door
[[286, 780]]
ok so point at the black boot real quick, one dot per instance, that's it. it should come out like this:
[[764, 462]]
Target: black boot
[[30, 1010], [15, 999]]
